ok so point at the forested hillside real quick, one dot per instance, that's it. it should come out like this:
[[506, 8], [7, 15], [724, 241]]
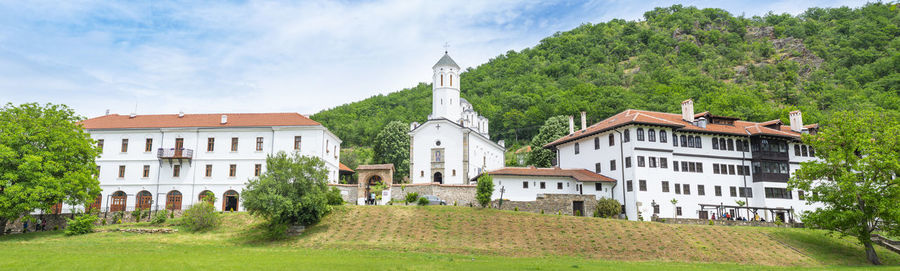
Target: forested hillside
[[759, 68]]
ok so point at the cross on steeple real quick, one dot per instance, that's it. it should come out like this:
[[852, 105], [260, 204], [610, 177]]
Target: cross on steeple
[[446, 47]]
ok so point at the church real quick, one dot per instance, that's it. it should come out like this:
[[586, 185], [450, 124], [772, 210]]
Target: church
[[454, 144]]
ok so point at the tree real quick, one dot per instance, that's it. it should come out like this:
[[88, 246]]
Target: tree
[[293, 191], [484, 190], [607, 208], [855, 176], [392, 147], [45, 158], [553, 129]]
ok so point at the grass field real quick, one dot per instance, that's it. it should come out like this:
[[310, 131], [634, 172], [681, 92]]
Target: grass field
[[445, 238]]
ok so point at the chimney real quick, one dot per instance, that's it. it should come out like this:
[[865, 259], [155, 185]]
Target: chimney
[[571, 125], [583, 120], [132, 115], [107, 112], [687, 110], [796, 121], [180, 114], [224, 119]]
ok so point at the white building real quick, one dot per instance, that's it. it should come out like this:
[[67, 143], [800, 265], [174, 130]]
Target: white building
[[453, 144], [527, 183], [155, 161], [701, 160]]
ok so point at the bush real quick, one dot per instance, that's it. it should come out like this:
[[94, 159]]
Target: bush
[[711, 223], [117, 217], [293, 191], [412, 197], [423, 201], [484, 190], [334, 197], [160, 217], [81, 225], [210, 197], [607, 208], [200, 217]]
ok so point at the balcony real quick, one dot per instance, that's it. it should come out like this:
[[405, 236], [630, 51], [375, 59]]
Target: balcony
[[173, 153]]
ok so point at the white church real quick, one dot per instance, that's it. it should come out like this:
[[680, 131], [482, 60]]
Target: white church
[[454, 144]]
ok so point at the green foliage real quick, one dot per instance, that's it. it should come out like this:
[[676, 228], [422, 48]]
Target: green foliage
[[45, 158], [210, 197], [391, 146], [200, 217], [607, 208], [855, 176], [554, 128], [725, 63], [353, 157], [412, 197], [423, 201], [484, 190], [82, 224], [292, 191], [334, 196], [160, 217]]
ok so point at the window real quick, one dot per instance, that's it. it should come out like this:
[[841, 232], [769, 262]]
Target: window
[[747, 170], [803, 151], [124, 145], [148, 145], [699, 167], [663, 162], [686, 189], [121, 171], [692, 167], [100, 144], [543, 185], [690, 142], [640, 161], [257, 170], [678, 189], [699, 143], [656, 209], [576, 148], [259, 144], [778, 193], [626, 136], [701, 190], [208, 171], [612, 165], [718, 191], [234, 144], [684, 141], [678, 210], [210, 144], [642, 185], [722, 144], [739, 145], [597, 167], [598, 186], [524, 185], [629, 186], [640, 134], [628, 162], [675, 165], [730, 144], [801, 195], [665, 186], [232, 170], [176, 171], [559, 185], [796, 150], [297, 142], [812, 152], [146, 171], [733, 191], [597, 143], [715, 143], [746, 192], [730, 169], [651, 135], [454, 172], [675, 140], [662, 136], [715, 168], [612, 140], [652, 161]]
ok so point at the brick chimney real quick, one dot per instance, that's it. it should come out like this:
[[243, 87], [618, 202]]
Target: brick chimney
[[583, 120], [796, 121], [571, 124], [687, 110]]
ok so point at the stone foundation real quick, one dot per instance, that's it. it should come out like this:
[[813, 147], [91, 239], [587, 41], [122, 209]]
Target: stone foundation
[[460, 195], [349, 192], [58, 221], [551, 204], [693, 221]]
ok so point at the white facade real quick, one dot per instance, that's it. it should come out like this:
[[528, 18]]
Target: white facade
[[454, 144], [211, 148]]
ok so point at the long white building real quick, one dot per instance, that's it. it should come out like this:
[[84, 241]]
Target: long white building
[[169, 161], [705, 162]]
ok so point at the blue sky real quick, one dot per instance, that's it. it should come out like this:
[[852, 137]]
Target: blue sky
[[162, 57]]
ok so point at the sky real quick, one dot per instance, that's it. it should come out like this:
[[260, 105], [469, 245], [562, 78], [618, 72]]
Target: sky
[[165, 57]]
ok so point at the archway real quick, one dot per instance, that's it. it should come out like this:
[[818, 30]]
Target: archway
[[118, 202], [96, 204], [204, 194], [230, 201], [143, 200], [173, 200], [438, 178], [371, 193]]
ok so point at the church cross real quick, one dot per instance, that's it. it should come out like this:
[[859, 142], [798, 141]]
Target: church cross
[[446, 47]]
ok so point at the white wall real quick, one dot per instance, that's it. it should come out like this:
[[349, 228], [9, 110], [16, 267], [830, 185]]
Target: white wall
[[513, 188]]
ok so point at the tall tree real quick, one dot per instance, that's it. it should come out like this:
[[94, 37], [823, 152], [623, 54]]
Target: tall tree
[[855, 177], [392, 147], [45, 158], [554, 128], [293, 190]]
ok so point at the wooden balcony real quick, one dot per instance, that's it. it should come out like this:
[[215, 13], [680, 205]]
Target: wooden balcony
[[173, 153]]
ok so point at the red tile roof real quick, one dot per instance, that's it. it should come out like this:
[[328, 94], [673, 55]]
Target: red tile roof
[[345, 168], [378, 166], [632, 116], [581, 175], [116, 121]]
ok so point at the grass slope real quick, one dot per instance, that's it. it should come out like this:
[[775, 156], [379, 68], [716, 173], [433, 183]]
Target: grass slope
[[443, 238]]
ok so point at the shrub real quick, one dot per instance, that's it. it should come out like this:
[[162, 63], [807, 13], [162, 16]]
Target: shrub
[[607, 208], [484, 190], [423, 201], [136, 215], [577, 212], [412, 197], [117, 217], [160, 217], [334, 197], [210, 197], [200, 217], [711, 223], [81, 225], [516, 209]]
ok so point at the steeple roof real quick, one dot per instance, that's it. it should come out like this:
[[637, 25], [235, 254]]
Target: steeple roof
[[446, 61]]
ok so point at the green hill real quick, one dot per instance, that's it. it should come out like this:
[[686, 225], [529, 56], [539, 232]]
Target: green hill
[[443, 238], [758, 69]]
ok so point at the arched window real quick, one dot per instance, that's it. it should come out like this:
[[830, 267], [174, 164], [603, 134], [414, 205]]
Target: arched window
[[577, 149], [662, 136], [451, 80], [640, 134], [143, 200], [442, 79], [230, 201], [173, 200], [651, 135], [204, 194], [626, 136]]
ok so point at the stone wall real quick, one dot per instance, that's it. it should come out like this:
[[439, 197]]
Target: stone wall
[[461, 195], [348, 191], [551, 204], [58, 221], [693, 221]]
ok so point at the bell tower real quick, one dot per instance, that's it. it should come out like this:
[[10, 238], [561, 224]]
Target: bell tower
[[445, 101]]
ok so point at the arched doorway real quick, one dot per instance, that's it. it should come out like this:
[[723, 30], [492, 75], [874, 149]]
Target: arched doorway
[[438, 178], [230, 201], [371, 193], [118, 202], [143, 200], [204, 194], [173, 200], [96, 204]]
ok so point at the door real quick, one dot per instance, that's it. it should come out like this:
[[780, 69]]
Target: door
[[143, 200], [173, 200], [230, 201], [704, 215], [179, 144], [118, 202], [578, 208]]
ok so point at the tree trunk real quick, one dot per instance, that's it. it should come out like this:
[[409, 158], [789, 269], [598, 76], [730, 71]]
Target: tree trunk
[[870, 253], [2, 226]]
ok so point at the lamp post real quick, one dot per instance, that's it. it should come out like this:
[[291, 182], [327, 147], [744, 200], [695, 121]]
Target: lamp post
[[500, 204]]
